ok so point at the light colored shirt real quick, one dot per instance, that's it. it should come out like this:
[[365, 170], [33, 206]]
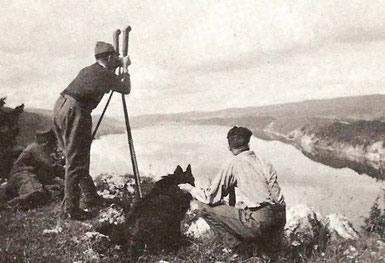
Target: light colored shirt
[[248, 180]]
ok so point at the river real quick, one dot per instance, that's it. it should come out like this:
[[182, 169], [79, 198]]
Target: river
[[161, 148]]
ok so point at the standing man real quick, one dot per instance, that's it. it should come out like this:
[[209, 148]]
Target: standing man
[[73, 124], [255, 213]]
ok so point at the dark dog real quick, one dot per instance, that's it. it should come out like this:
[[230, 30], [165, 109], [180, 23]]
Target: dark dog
[[154, 222]]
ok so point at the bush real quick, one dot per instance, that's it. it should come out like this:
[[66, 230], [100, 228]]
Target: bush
[[8, 132], [375, 223]]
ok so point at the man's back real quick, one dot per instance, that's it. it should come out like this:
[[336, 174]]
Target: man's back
[[255, 180], [36, 158], [90, 85]]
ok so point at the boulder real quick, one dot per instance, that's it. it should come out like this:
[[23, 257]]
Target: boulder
[[307, 228], [340, 227], [304, 227], [198, 228]]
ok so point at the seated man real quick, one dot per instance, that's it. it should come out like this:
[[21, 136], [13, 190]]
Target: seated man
[[33, 171], [255, 213]]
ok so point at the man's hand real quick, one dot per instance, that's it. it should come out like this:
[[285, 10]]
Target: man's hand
[[186, 187], [125, 63]]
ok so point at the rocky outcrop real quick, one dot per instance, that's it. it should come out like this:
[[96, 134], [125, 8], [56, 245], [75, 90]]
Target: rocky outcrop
[[305, 228], [366, 158], [340, 227], [309, 230], [198, 229]]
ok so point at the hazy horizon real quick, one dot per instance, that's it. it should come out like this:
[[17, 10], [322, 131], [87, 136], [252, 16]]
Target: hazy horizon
[[156, 113]]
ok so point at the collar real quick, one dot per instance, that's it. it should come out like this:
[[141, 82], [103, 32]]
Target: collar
[[247, 152], [100, 64]]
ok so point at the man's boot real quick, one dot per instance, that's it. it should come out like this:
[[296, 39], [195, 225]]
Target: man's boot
[[92, 201]]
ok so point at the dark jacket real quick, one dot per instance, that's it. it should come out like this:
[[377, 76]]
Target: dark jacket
[[38, 159]]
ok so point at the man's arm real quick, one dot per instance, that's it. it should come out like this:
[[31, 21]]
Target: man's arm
[[219, 187], [25, 161], [275, 189], [122, 83]]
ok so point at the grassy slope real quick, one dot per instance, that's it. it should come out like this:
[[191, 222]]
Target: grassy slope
[[21, 240]]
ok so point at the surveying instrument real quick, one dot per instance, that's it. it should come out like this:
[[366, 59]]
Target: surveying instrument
[[135, 169]]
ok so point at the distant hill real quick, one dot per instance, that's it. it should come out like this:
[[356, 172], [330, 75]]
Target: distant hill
[[368, 107], [32, 120], [339, 132]]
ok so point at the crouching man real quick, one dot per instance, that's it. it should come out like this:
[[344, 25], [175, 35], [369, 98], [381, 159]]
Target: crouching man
[[255, 214], [34, 172]]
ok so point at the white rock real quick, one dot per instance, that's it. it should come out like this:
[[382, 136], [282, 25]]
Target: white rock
[[115, 185], [112, 215], [56, 230], [91, 255], [303, 225], [339, 226], [198, 229], [92, 235], [194, 205], [380, 243]]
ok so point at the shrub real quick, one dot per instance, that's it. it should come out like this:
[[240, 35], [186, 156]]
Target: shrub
[[8, 132], [375, 223]]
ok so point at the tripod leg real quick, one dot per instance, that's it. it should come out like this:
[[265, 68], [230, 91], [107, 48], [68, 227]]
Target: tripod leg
[[101, 116], [132, 150]]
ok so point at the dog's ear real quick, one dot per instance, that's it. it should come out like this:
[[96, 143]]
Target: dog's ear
[[188, 169], [178, 170]]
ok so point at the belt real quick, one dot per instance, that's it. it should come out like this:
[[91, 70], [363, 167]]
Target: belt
[[65, 95], [263, 205]]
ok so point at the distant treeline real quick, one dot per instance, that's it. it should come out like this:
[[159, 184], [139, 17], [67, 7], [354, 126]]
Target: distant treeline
[[354, 133]]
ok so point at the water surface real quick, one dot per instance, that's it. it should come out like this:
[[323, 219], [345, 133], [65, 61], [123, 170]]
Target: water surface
[[161, 148]]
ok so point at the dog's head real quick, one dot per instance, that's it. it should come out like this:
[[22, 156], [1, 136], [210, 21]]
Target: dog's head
[[171, 181], [182, 177]]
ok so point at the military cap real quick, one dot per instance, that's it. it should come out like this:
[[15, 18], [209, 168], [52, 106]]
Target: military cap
[[43, 136], [238, 137], [103, 47]]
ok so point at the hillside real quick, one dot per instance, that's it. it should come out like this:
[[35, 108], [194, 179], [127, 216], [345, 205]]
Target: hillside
[[339, 132], [32, 120], [368, 107]]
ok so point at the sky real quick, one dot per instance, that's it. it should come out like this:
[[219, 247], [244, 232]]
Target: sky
[[197, 55]]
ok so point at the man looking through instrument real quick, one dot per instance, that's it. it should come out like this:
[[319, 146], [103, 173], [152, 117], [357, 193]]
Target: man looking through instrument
[[73, 124]]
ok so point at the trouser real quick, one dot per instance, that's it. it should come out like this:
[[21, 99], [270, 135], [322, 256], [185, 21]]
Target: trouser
[[25, 187], [73, 127], [234, 226]]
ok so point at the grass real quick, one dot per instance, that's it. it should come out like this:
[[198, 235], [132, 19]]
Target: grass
[[22, 240]]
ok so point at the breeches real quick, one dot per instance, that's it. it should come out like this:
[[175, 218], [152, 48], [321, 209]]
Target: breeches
[[234, 226], [73, 127]]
